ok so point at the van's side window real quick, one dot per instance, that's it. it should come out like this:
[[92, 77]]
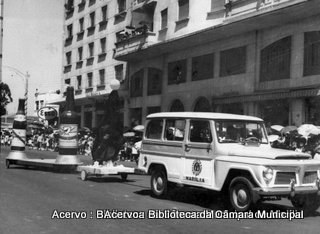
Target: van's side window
[[154, 129], [175, 129], [200, 131]]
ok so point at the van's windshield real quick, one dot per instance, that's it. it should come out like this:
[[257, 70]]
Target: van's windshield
[[238, 131]]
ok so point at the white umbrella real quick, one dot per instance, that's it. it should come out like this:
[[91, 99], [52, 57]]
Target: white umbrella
[[276, 127], [307, 129], [129, 134], [139, 128], [273, 138]]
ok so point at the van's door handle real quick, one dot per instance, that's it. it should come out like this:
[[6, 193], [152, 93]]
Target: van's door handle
[[186, 148]]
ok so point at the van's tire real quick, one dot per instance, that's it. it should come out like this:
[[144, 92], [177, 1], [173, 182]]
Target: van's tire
[[240, 194], [308, 203], [159, 183]]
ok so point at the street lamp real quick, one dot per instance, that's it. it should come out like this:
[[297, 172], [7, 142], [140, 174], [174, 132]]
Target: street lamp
[[26, 80]]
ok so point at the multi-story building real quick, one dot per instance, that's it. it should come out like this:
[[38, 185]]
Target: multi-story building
[[91, 28], [1, 37], [256, 57]]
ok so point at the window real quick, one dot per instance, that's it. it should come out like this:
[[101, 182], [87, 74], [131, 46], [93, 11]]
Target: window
[[92, 19], [174, 130], [202, 67], [119, 72], [311, 65], [177, 72], [91, 49], [200, 131], [89, 76], [154, 81], [234, 131], [164, 18], [233, 61], [80, 52], [68, 58], [69, 30], [79, 78], [275, 60], [104, 13], [67, 81], [136, 84], [102, 76], [153, 109], [121, 5], [183, 9], [103, 45], [81, 23], [217, 5], [177, 106], [154, 129]]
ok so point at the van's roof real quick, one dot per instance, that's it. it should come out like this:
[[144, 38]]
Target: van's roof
[[202, 115]]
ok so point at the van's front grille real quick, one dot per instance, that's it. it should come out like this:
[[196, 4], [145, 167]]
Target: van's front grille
[[285, 177], [310, 177]]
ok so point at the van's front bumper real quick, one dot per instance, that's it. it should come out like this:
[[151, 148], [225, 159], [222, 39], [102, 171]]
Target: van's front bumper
[[289, 191]]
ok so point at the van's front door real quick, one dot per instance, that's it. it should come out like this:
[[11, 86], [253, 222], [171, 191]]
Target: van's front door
[[198, 147]]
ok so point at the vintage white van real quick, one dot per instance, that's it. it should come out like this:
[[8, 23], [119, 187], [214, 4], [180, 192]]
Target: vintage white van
[[227, 153]]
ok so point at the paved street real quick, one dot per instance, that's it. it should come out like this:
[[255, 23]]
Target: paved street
[[36, 201]]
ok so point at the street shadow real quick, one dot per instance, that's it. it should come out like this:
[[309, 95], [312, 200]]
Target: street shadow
[[107, 179], [62, 170], [216, 201]]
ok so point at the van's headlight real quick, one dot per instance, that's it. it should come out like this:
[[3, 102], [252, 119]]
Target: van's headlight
[[267, 174]]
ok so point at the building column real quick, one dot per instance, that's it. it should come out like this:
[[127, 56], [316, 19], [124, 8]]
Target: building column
[[82, 116], [94, 115], [297, 112]]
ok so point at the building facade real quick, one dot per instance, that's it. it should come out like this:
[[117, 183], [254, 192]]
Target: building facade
[[255, 57], [91, 30]]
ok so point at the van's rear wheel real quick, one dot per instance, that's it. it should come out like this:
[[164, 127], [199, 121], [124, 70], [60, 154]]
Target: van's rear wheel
[[240, 194], [159, 183]]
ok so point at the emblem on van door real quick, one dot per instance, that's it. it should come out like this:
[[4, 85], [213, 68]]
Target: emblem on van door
[[196, 167]]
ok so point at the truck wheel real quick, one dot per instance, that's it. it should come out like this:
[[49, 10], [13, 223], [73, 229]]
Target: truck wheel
[[240, 194], [124, 177], [159, 183], [84, 175], [8, 163], [308, 203]]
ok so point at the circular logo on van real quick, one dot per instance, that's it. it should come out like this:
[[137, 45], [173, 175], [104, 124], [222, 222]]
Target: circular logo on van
[[196, 167]]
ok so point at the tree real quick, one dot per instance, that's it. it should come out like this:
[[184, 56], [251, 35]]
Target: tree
[[5, 97]]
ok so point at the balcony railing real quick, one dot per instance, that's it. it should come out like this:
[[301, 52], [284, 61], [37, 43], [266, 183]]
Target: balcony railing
[[133, 40], [140, 4]]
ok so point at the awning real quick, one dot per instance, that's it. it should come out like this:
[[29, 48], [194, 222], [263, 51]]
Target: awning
[[272, 95]]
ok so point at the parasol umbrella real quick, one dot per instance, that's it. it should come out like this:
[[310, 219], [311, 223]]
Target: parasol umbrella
[[288, 129], [129, 134], [277, 128], [273, 138], [308, 129], [84, 129], [139, 128]]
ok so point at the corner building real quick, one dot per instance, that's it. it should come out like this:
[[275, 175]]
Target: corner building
[[254, 57]]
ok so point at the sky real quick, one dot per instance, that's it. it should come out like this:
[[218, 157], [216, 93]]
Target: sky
[[32, 42]]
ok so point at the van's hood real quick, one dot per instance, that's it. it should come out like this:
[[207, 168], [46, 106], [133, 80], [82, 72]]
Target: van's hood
[[263, 152]]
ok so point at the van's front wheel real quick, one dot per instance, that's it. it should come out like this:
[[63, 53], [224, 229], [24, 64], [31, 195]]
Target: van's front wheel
[[240, 194], [159, 183]]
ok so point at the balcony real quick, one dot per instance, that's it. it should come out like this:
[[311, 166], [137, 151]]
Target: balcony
[[142, 5], [241, 9], [129, 42]]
